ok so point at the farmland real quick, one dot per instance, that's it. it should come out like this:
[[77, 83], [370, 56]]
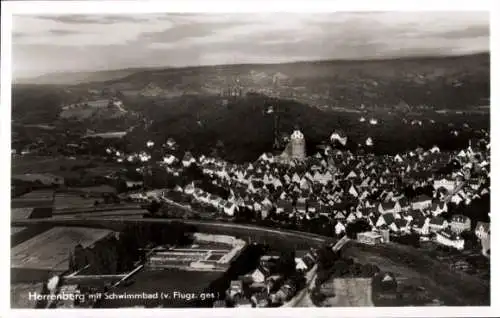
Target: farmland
[[70, 200], [350, 292], [50, 249], [44, 178], [20, 213], [16, 229], [415, 268], [113, 134], [20, 294], [38, 164], [60, 166]]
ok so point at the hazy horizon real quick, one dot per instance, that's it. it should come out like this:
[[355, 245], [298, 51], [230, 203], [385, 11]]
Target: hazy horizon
[[85, 43], [256, 63]]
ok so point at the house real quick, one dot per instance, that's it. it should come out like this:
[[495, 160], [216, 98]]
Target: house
[[482, 230], [243, 303], [404, 204], [313, 206], [300, 206], [352, 191], [421, 202], [235, 288], [460, 223], [169, 159], [300, 265], [260, 274], [420, 225], [370, 238], [188, 160], [457, 198], [230, 208], [284, 206], [448, 184], [385, 219], [351, 217], [438, 207], [189, 189], [437, 223], [288, 290], [402, 225], [219, 304], [260, 300], [389, 207], [448, 238]]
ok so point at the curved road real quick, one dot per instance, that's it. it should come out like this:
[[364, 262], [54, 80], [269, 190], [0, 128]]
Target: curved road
[[302, 299], [108, 220]]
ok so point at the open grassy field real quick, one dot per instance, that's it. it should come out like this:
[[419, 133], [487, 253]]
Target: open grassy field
[[71, 200], [416, 268], [19, 294], [28, 164], [167, 281], [45, 178], [33, 199], [96, 189], [50, 249], [350, 292], [16, 229], [20, 213]]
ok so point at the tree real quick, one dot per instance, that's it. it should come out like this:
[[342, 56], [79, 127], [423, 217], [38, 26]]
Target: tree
[[154, 207], [286, 263], [385, 282], [359, 226], [71, 262]]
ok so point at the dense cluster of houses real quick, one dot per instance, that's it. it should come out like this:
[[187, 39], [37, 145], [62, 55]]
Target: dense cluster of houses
[[266, 286], [345, 187]]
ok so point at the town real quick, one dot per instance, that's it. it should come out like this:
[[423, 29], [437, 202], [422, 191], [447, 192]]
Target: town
[[229, 161]]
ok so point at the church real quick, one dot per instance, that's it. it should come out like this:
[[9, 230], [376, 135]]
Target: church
[[295, 149]]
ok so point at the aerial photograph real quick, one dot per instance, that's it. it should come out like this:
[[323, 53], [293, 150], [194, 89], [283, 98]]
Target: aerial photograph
[[182, 160]]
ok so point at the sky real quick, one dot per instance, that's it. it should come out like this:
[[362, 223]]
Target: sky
[[58, 43]]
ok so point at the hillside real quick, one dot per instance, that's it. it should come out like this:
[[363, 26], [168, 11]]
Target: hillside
[[441, 82], [446, 82], [245, 129], [74, 78], [185, 104]]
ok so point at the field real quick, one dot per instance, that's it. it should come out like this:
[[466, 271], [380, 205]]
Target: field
[[114, 134], [33, 199], [167, 281], [415, 268], [70, 200], [350, 292], [50, 249], [27, 164], [60, 166], [16, 229], [20, 213], [19, 295], [95, 190], [45, 178], [120, 214]]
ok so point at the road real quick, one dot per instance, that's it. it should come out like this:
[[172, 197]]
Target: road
[[66, 220], [302, 299]]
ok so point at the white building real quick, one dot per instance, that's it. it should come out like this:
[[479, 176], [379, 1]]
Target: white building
[[448, 238]]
